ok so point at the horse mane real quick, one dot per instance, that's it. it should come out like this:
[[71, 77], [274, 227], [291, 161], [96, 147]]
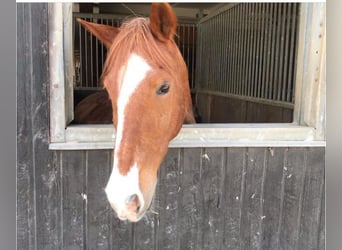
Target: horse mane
[[135, 36]]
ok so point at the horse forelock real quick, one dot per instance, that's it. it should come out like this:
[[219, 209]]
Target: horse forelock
[[135, 37]]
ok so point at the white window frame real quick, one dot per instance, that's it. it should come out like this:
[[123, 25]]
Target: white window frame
[[307, 128]]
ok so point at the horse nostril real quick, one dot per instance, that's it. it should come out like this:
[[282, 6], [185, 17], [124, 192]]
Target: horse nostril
[[132, 203]]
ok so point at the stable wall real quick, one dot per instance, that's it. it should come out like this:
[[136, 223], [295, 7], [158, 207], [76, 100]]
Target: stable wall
[[207, 198]]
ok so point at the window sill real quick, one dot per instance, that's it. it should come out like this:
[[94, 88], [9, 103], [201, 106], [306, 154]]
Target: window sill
[[87, 137]]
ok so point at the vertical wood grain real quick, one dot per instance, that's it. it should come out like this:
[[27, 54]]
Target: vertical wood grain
[[99, 210], [294, 173]]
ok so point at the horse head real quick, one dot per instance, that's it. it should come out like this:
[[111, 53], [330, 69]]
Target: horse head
[[147, 81]]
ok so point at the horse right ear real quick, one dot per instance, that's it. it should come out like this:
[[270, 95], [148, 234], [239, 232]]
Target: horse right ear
[[104, 33]]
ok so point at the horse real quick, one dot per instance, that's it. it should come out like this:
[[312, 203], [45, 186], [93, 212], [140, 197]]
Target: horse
[[147, 82]]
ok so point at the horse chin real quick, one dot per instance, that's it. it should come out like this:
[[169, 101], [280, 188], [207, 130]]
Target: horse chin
[[128, 215], [133, 217]]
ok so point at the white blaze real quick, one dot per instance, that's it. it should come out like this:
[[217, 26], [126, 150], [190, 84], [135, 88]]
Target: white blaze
[[134, 74], [120, 187]]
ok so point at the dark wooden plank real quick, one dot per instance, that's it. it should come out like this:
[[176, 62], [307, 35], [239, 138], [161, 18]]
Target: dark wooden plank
[[312, 196], [48, 197], [211, 186], [191, 200], [287, 115], [122, 236], [252, 199], [258, 112], [26, 229], [46, 165], [234, 185], [224, 109], [73, 202], [294, 170], [321, 237], [98, 208], [203, 104], [272, 198], [169, 189], [144, 232]]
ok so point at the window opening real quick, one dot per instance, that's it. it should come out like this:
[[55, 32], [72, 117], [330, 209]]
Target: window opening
[[241, 62]]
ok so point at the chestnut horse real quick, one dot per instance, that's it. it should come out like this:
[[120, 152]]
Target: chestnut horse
[[147, 81]]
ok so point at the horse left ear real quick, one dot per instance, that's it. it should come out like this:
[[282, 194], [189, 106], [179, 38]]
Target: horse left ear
[[163, 21]]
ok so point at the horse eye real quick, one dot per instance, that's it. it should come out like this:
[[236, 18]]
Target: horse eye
[[163, 89]]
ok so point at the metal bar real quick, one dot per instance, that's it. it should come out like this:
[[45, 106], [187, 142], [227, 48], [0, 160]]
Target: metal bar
[[193, 49], [250, 51], [218, 69], [291, 79], [254, 40], [234, 80], [244, 47], [219, 52], [183, 39], [282, 56], [230, 51], [86, 56], [225, 51], [239, 59], [213, 76], [188, 48], [81, 54], [199, 51], [204, 59], [261, 69], [212, 58], [272, 52], [258, 49], [91, 60], [286, 51], [206, 56], [97, 60], [265, 50], [102, 49], [277, 53], [210, 54], [98, 15]]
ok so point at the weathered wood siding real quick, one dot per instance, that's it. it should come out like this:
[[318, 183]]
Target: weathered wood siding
[[207, 198], [223, 109]]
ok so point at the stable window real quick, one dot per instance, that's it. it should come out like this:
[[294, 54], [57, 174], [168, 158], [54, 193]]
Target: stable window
[[273, 56]]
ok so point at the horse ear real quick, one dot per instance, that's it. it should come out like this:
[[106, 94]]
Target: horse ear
[[104, 33], [163, 21]]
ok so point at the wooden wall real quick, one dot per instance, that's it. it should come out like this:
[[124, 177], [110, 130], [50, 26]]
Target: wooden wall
[[223, 109], [207, 198]]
